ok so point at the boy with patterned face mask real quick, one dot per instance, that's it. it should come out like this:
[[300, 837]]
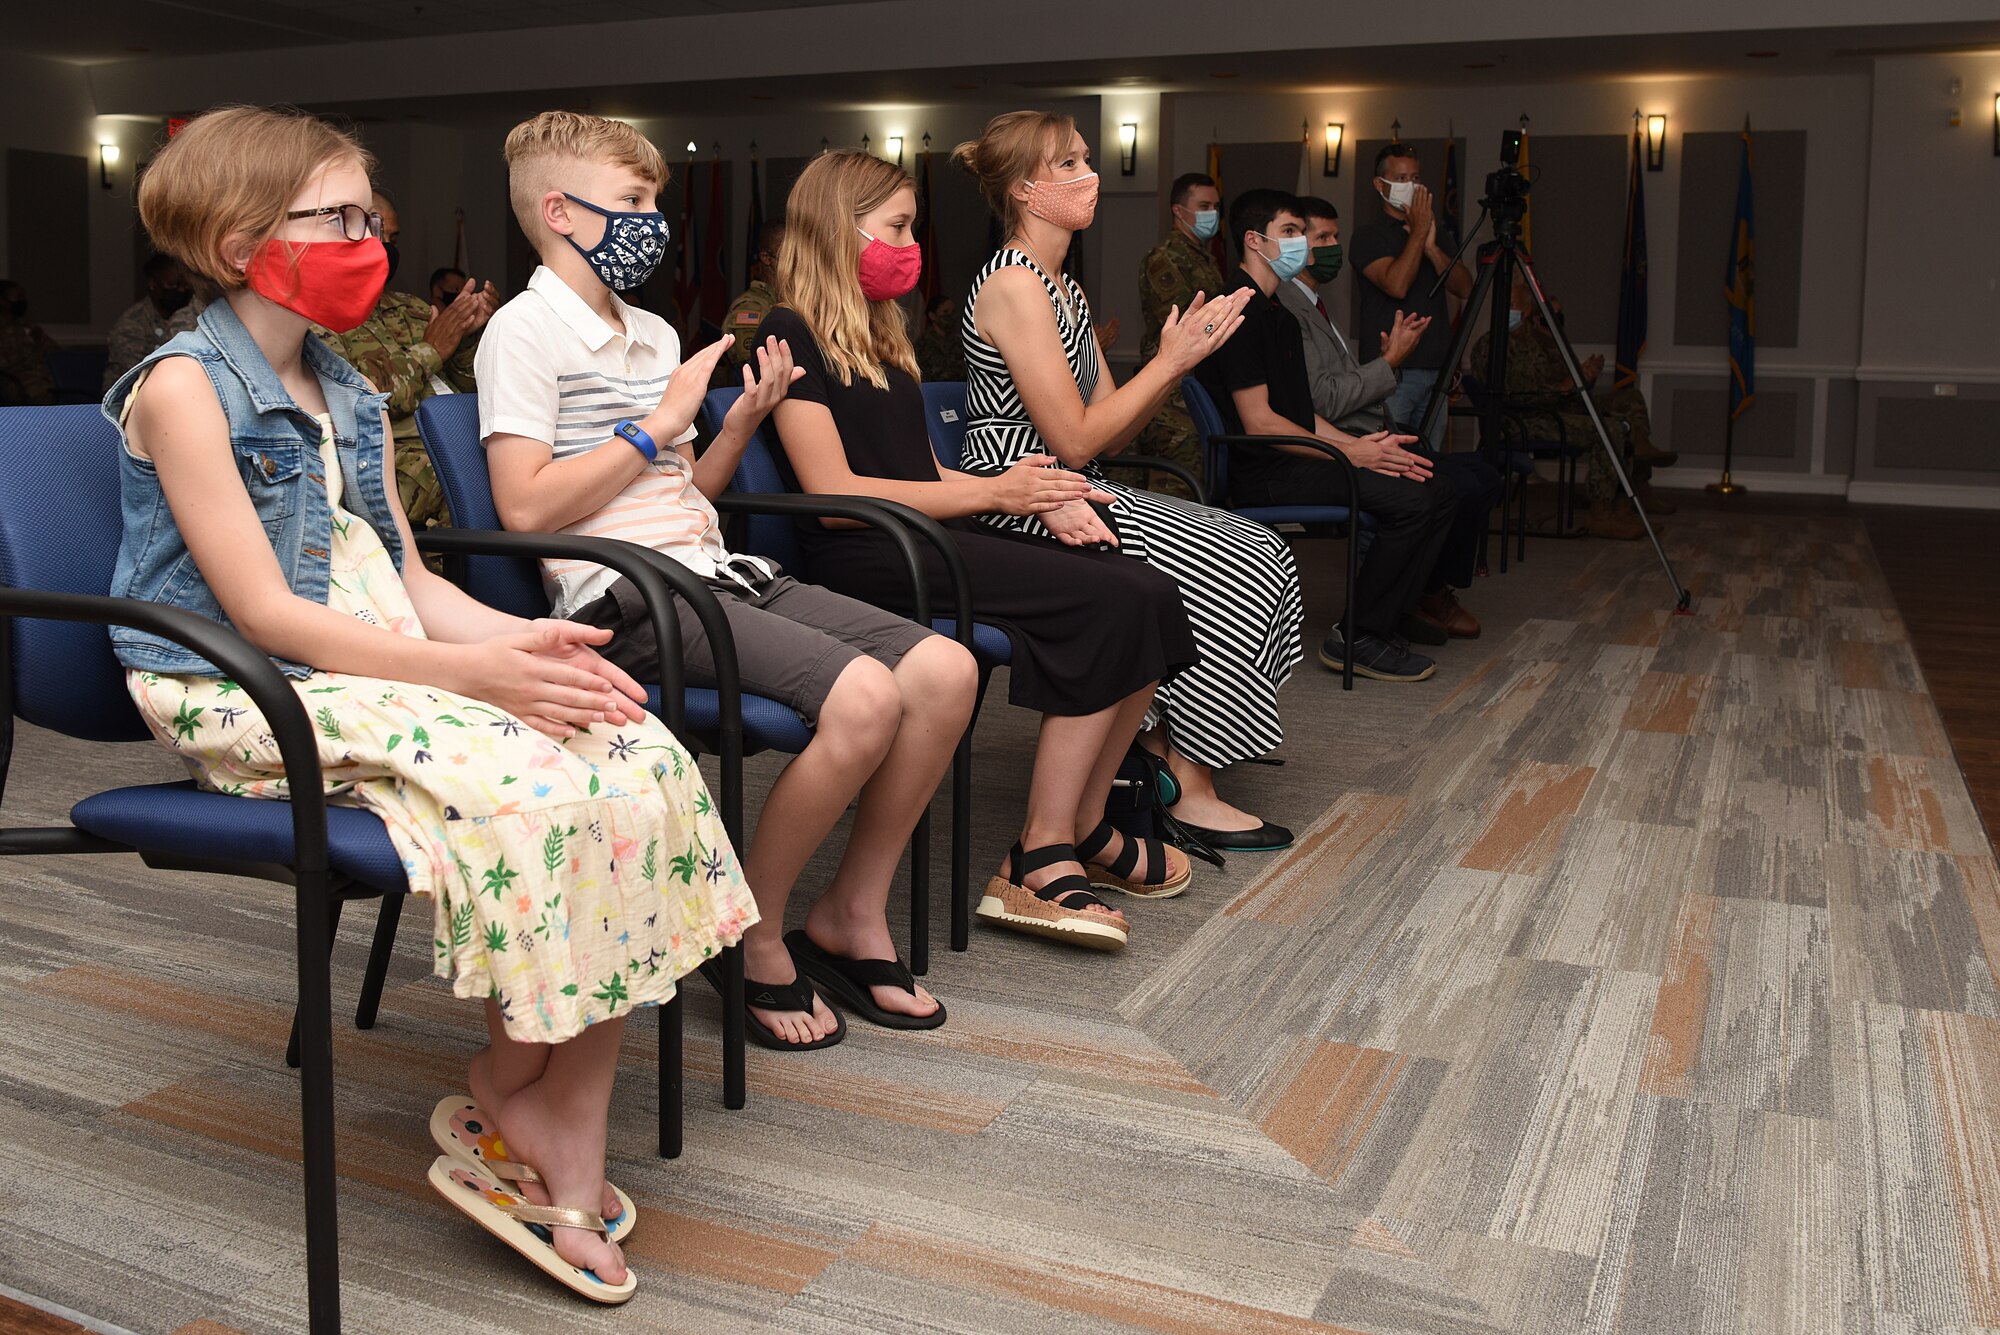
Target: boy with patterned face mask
[[584, 404]]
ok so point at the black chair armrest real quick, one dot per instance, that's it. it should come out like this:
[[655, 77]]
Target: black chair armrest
[[1156, 463], [1349, 473], [866, 510], [931, 531], [243, 663], [628, 559]]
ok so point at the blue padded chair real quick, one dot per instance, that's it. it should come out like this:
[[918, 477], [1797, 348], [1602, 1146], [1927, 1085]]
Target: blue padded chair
[[59, 534], [1519, 431], [758, 493], [1333, 520], [944, 412]]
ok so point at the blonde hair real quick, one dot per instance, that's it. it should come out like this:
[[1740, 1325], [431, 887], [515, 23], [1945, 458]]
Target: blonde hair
[[819, 263], [234, 172], [538, 149], [1011, 148]]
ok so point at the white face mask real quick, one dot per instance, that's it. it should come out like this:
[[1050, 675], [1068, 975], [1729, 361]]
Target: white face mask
[[1401, 193]]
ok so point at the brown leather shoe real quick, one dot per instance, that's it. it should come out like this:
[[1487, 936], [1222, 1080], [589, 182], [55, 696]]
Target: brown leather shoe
[[1646, 452], [1442, 610], [1620, 524]]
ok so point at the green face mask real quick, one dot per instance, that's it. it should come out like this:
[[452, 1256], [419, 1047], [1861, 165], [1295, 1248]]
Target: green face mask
[[1325, 266]]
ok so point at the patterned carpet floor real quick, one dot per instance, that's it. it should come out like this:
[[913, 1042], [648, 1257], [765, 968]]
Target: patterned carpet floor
[[1637, 973]]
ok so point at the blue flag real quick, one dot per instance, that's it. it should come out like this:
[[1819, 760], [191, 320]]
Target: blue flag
[[1632, 278], [1742, 293]]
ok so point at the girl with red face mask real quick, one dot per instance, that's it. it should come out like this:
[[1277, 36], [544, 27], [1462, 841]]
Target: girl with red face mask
[[1035, 385], [1091, 633], [521, 784]]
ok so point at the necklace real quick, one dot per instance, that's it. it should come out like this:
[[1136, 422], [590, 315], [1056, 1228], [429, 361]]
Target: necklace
[[1061, 287]]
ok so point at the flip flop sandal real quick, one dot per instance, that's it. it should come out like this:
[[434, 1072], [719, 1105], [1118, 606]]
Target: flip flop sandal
[[465, 1133], [1055, 910], [526, 1227], [1117, 873], [847, 981], [796, 995]]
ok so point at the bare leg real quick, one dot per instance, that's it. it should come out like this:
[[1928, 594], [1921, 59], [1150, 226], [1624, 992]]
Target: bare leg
[[936, 680], [1200, 804], [1097, 790], [856, 728], [557, 1122]]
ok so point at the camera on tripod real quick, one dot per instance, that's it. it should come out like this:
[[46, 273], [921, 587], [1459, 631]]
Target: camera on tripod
[[1507, 189]]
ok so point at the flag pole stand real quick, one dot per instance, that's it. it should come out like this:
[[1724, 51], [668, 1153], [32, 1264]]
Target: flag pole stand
[[1727, 487]]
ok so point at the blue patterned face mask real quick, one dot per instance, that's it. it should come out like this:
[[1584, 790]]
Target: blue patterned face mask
[[632, 248]]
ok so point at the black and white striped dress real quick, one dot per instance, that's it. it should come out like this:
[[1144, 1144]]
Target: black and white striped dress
[[1237, 579]]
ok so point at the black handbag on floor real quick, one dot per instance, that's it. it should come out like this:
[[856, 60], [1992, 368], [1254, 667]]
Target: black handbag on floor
[[1137, 805]]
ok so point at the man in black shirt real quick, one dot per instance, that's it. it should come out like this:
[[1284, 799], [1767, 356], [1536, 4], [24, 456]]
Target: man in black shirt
[[1260, 384], [1397, 259]]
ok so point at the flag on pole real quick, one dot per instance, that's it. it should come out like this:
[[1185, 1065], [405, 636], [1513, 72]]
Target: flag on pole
[[1215, 246], [1632, 274], [458, 242], [1742, 292], [927, 228], [756, 229], [1450, 216], [1527, 212], [714, 277], [687, 278], [1304, 189]]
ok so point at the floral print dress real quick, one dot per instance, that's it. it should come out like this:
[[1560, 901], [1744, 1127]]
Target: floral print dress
[[573, 881]]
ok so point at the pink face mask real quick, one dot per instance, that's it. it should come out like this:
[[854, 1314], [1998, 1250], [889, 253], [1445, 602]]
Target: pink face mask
[[888, 272], [1070, 204]]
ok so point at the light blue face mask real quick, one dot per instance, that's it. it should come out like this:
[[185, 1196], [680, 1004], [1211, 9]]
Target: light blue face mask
[[1513, 319], [632, 248], [1294, 253], [1207, 222]]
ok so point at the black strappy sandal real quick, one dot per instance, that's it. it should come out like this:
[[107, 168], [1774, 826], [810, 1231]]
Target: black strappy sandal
[[847, 980], [1117, 874], [1055, 910]]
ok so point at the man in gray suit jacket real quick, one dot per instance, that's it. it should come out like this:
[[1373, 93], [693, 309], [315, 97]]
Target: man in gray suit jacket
[[1351, 394]]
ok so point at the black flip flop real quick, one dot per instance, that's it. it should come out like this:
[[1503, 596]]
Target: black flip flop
[[796, 995], [847, 981]]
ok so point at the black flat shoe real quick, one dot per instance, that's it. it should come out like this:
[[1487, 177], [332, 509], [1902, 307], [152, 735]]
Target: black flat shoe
[[1266, 838]]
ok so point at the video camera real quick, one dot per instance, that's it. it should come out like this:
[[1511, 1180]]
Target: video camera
[[1507, 189]]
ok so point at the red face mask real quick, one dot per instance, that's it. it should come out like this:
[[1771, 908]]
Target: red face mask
[[888, 272], [332, 283]]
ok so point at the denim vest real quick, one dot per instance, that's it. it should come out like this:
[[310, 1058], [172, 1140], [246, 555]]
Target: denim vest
[[276, 444]]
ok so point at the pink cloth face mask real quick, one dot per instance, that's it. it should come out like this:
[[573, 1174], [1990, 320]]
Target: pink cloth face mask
[[888, 272], [1070, 205]]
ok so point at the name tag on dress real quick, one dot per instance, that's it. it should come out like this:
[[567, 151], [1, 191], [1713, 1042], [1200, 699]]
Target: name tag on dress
[[947, 414]]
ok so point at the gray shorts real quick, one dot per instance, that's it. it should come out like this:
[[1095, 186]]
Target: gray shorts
[[793, 640]]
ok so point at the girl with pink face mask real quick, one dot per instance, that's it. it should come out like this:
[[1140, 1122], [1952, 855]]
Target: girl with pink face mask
[[1036, 385]]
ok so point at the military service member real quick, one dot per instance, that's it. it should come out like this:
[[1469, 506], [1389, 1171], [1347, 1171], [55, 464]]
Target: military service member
[[1535, 371], [1171, 274], [411, 350], [166, 309], [747, 312]]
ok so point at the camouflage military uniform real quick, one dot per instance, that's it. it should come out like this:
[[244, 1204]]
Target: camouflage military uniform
[[941, 353], [1535, 368], [1169, 276], [746, 315], [138, 331], [389, 349], [25, 377]]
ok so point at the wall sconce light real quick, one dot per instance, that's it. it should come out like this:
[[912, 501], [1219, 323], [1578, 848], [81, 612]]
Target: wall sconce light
[[1128, 149], [1336, 131], [107, 158], [1996, 125], [896, 148], [1656, 143]]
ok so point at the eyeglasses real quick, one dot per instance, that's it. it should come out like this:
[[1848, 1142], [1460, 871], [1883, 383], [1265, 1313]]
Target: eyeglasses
[[356, 223]]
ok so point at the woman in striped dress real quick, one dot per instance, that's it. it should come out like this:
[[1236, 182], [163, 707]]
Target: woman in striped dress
[[1035, 385]]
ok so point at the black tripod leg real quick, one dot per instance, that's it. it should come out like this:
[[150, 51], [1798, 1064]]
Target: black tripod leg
[[672, 1077]]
